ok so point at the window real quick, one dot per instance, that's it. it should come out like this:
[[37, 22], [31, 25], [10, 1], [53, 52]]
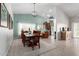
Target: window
[[25, 27], [39, 27]]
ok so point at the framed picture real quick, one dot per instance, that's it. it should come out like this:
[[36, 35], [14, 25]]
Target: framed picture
[[3, 14], [5, 17], [10, 21]]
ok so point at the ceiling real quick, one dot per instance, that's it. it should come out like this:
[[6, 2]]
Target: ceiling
[[42, 9], [46, 9], [71, 9]]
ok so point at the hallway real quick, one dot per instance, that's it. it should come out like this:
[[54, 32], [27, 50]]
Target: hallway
[[22, 21]]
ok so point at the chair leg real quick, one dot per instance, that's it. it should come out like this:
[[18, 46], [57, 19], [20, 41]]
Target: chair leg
[[24, 44], [32, 48], [39, 45]]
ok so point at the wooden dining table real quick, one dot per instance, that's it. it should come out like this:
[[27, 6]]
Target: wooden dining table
[[31, 37]]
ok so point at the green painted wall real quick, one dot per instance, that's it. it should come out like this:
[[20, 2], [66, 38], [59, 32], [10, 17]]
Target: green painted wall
[[26, 18]]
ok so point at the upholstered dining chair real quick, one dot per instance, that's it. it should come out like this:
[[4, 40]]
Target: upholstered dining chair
[[36, 39], [35, 42], [24, 39]]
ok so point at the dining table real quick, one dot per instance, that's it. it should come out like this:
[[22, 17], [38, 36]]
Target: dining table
[[31, 39], [31, 35]]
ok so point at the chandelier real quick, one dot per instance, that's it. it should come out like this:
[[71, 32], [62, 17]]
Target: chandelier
[[34, 11]]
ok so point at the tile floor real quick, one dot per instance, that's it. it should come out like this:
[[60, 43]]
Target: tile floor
[[49, 47]]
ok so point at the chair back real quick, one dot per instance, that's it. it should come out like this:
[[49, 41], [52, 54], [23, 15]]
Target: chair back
[[22, 35], [37, 33], [25, 31], [36, 37]]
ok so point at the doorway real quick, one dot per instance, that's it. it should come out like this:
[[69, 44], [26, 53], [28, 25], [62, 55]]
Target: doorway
[[76, 30]]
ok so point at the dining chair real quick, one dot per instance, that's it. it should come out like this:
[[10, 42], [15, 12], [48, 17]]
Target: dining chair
[[36, 39], [24, 39]]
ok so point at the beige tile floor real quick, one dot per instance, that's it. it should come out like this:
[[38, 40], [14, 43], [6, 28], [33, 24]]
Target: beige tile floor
[[49, 47]]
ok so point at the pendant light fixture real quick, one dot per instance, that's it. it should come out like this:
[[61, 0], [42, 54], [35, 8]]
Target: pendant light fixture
[[34, 11]]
